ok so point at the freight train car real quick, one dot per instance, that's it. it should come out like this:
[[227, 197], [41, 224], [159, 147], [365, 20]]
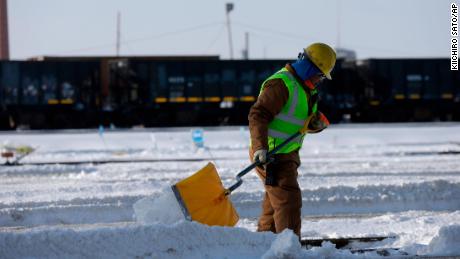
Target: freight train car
[[186, 91], [409, 90], [200, 92], [52, 94]]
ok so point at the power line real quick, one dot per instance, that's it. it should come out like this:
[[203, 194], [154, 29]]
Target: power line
[[166, 34], [279, 34], [157, 36], [222, 28], [257, 31]]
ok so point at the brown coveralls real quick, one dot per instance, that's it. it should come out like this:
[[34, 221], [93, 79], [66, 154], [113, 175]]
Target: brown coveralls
[[282, 203]]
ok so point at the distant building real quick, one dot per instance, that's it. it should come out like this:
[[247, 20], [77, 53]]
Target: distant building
[[346, 54]]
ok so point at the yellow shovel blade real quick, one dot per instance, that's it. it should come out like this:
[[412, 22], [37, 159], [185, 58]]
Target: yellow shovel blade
[[202, 197]]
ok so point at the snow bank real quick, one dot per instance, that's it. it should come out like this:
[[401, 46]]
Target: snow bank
[[431, 195], [75, 211], [162, 209], [447, 242], [182, 240]]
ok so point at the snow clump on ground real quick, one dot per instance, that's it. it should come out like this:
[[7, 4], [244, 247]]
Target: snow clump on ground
[[161, 209], [447, 242]]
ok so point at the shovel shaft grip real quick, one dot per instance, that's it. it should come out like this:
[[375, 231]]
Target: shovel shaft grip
[[253, 165], [239, 181]]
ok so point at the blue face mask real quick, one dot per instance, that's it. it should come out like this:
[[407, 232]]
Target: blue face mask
[[305, 69]]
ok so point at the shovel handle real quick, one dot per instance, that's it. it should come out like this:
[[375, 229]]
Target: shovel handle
[[253, 165]]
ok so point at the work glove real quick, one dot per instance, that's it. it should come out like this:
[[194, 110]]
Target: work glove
[[318, 123], [261, 156]]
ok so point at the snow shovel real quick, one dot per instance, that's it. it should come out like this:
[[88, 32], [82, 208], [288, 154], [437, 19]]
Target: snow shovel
[[203, 198]]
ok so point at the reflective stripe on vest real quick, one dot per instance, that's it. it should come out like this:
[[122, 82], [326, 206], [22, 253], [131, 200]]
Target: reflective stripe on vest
[[292, 117], [284, 136]]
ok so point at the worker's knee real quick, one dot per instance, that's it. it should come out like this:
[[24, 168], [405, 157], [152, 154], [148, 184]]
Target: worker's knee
[[290, 201]]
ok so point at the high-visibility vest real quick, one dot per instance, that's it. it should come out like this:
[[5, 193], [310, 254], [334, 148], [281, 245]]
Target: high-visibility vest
[[293, 114]]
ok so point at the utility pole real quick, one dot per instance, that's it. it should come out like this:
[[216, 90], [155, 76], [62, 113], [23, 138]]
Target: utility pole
[[338, 23], [229, 8], [246, 49], [118, 33], [4, 41]]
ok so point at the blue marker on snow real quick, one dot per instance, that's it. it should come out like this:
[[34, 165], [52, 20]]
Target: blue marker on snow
[[101, 130], [197, 137]]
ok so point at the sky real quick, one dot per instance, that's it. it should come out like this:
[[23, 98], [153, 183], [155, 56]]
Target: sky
[[276, 29]]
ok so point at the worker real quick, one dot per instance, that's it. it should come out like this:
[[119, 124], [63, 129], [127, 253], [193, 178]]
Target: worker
[[287, 100]]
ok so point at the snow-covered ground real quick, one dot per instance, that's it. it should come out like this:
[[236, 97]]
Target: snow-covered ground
[[401, 180]]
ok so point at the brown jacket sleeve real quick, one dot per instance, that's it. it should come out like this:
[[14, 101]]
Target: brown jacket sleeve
[[268, 105]]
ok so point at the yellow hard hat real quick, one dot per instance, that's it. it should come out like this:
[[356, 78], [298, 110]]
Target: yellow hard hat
[[322, 56]]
